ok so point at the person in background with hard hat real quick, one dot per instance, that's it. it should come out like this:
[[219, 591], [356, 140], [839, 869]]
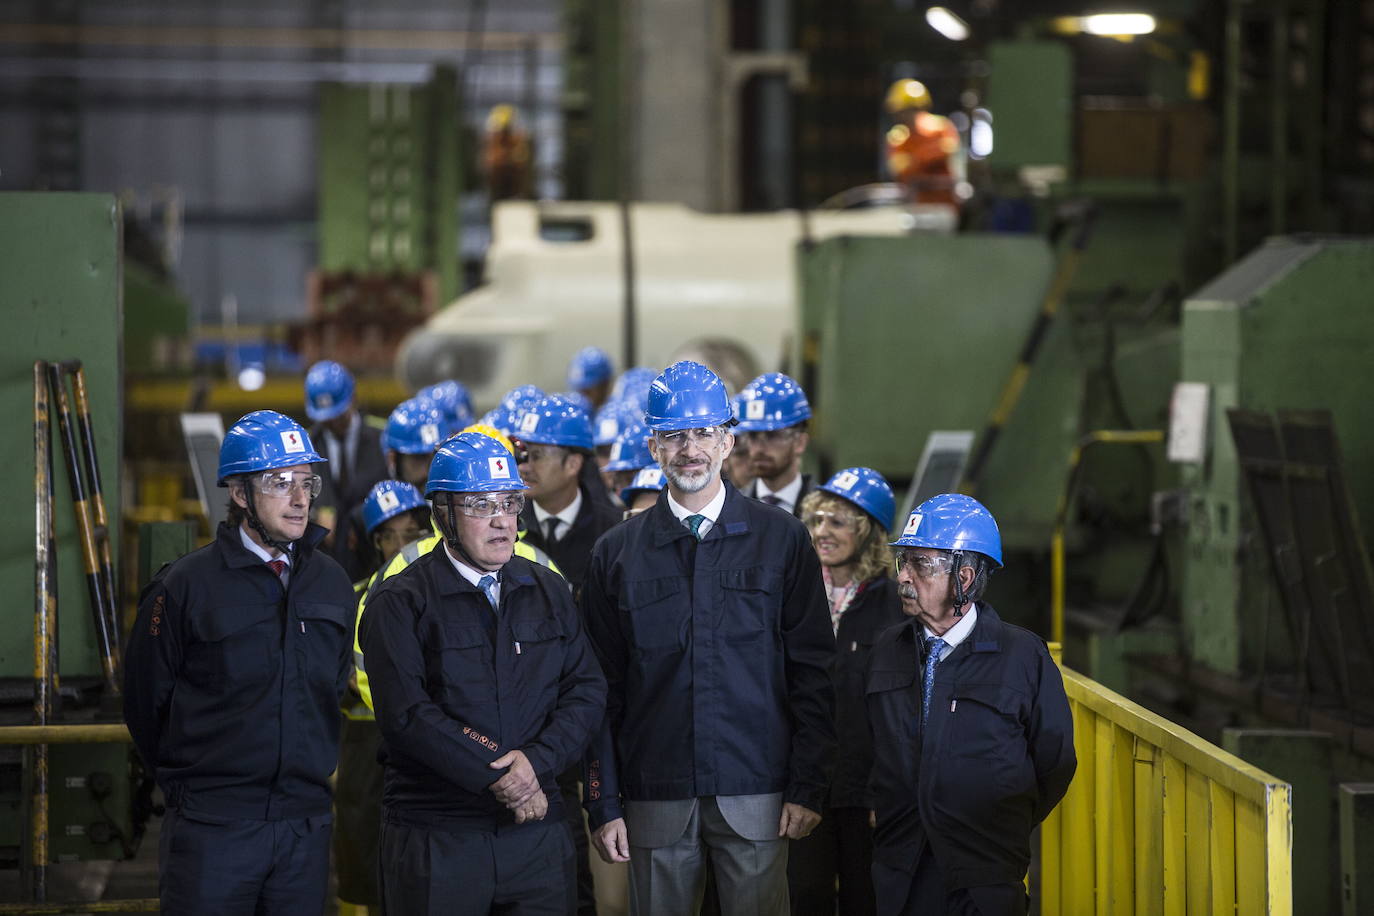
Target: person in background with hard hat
[[972, 731], [395, 514], [507, 161], [629, 454], [233, 675], [737, 468], [922, 148], [643, 491], [506, 415], [708, 613], [352, 449], [773, 413], [848, 516], [590, 374], [485, 688], [452, 398]]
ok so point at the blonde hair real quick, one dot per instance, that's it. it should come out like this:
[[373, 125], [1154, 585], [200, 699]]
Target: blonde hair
[[872, 556]]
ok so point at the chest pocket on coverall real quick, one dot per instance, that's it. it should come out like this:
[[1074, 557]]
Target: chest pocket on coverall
[[659, 613], [322, 641], [464, 651], [750, 601], [238, 645]]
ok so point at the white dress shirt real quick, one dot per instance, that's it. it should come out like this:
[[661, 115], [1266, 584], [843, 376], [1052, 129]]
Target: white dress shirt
[[787, 496], [711, 511], [565, 518], [957, 633]]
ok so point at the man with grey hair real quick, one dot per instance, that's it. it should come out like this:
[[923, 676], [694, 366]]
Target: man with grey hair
[[709, 616]]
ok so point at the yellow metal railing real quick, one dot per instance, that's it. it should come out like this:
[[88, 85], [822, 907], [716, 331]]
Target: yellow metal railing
[[1158, 821]]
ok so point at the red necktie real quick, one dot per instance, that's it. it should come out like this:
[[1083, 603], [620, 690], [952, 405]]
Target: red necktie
[[278, 567]]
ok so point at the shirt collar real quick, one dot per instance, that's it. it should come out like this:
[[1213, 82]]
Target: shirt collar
[[787, 494], [960, 631], [711, 510], [473, 576], [258, 550], [567, 516]]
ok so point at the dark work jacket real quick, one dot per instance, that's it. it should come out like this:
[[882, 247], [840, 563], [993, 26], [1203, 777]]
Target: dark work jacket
[[995, 758], [874, 609], [573, 551], [368, 469], [456, 686], [232, 684], [752, 491], [716, 656]]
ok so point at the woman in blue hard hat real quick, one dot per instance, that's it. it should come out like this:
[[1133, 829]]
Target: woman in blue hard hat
[[848, 516], [234, 672]]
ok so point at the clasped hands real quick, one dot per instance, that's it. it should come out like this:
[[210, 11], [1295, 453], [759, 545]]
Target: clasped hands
[[519, 789]]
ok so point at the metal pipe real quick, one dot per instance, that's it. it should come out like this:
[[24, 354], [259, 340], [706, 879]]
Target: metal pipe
[[99, 613], [86, 733], [44, 631], [627, 262], [86, 438], [1061, 515]]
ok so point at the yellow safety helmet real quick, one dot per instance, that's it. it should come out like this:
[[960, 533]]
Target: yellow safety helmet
[[491, 432], [905, 94], [500, 117]]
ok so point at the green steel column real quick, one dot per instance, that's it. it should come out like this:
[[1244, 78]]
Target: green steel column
[[160, 543], [1303, 759], [1356, 801]]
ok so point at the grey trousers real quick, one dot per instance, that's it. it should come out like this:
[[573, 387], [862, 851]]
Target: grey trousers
[[673, 842]]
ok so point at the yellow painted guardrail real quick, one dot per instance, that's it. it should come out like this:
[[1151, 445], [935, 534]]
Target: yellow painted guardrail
[[1159, 821]]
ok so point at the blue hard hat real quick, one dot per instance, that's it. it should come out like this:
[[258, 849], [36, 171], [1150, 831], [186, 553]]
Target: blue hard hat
[[630, 451], [453, 398], [264, 440], [952, 521], [388, 499], [687, 396], [328, 390], [580, 399], [612, 418], [521, 398], [501, 418], [589, 368], [865, 488], [649, 477], [416, 427], [633, 386], [473, 463], [555, 420], [772, 401]]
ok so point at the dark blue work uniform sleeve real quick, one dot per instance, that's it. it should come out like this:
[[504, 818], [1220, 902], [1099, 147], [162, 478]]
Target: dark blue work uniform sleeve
[[152, 658], [601, 787], [1050, 738]]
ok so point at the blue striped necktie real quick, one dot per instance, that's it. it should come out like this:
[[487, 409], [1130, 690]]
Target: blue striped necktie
[[488, 585], [934, 646]]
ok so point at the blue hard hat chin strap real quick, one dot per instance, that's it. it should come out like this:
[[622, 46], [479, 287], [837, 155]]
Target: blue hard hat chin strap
[[256, 523]]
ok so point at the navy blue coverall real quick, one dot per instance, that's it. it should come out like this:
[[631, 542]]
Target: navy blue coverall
[[231, 693], [956, 801], [455, 685]]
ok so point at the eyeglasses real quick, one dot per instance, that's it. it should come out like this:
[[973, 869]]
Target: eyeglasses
[[282, 483], [842, 520], [678, 438], [927, 567], [492, 506], [768, 436]]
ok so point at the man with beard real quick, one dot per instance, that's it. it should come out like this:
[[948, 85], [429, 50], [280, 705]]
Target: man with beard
[[773, 412], [709, 616], [972, 731]]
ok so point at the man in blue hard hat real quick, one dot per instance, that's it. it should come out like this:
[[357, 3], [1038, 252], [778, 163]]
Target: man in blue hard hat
[[709, 616], [590, 374], [485, 689], [351, 447], [234, 672], [773, 414], [565, 514], [972, 730]]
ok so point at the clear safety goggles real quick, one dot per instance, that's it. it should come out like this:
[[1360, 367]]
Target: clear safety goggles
[[706, 437], [491, 506], [842, 520], [768, 437], [280, 484], [926, 567]]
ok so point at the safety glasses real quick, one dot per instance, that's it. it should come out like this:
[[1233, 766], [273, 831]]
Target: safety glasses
[[678, 438], [280, 484], [491, 506], [927, 567], [842, 520]]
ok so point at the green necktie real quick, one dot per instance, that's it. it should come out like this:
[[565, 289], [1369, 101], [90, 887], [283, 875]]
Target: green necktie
[[694, 522]]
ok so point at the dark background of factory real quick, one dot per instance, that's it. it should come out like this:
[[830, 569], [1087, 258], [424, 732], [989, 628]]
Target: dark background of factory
[[1141, 334]]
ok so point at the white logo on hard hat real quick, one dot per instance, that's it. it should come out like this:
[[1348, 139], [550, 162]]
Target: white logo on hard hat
[[529, 422], [615, 452], [846, 479], [386, 501], [754, 410], [429, 433], [325, 399], [652, 477], [499, 467], [912, 524], [291, 441], [608, 429]]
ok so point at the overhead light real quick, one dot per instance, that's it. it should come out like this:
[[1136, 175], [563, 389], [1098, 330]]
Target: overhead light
[[252, 377], [1117, 24], [947, 23]]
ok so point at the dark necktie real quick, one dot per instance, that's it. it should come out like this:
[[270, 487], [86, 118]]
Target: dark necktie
[[694, 522], [278, 567], [934, 646], [551, 529], [772, 500], [488, 585]]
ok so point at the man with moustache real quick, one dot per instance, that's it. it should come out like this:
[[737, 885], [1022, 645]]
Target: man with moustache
[[971, 728], [773, 413], [232, 680], [708, 613], [485, 689]]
